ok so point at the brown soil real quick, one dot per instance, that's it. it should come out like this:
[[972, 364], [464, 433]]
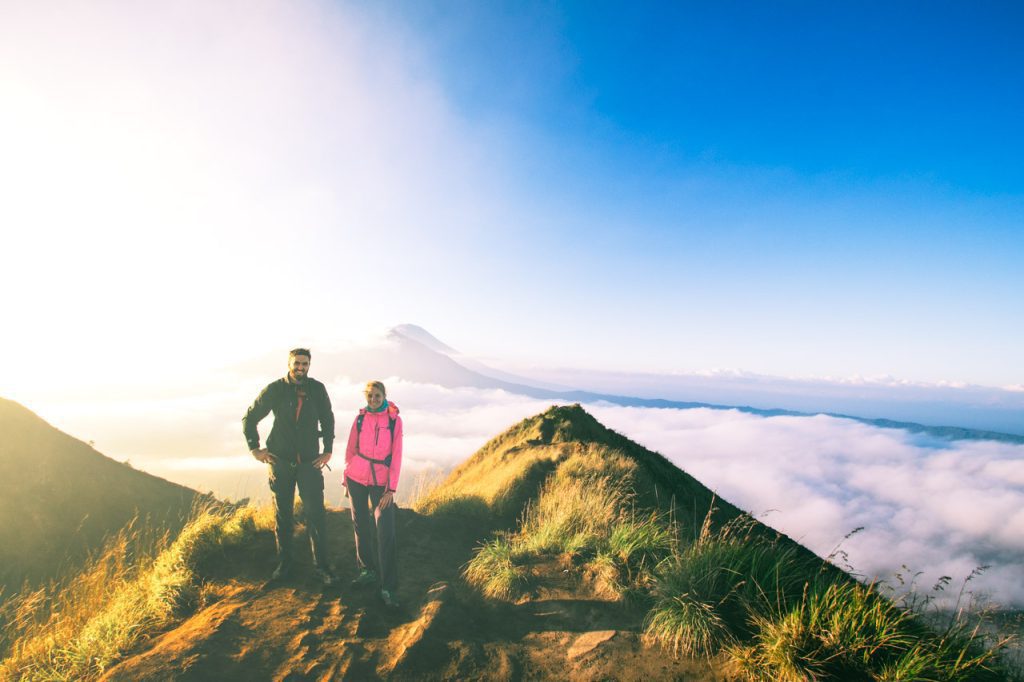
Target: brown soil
[[298, 630]]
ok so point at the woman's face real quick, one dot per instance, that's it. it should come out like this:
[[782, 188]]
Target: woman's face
[[375, 398]]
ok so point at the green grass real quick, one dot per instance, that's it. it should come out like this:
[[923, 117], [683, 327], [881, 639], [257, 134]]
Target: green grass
[[496, 569], [464, 506], [584, 516], [849, 631], [77, 628], [730, 588], [705, 592], [778, 616]]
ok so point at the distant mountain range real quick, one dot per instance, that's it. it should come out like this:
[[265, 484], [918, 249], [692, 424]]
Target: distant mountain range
[[59, 498], [412, 353]]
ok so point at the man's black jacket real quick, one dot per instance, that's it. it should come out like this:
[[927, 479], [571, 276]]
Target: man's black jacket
[[292, 440]]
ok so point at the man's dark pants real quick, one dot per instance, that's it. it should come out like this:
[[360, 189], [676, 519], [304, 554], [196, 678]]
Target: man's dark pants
[[284, 477], [380, 527]]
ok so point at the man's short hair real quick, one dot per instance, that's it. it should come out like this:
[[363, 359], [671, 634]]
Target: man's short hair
[[300, 351]]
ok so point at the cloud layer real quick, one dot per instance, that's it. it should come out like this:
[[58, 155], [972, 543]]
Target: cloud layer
[[942, 508], [939, 507]]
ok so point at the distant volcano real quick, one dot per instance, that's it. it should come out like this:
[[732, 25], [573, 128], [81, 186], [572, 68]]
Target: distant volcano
[[414, 354]]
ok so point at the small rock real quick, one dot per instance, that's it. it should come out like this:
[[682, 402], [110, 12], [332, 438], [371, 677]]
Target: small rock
[[589, 641]]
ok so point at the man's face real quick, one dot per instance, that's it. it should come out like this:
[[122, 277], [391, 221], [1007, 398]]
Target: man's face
[[298, 367]]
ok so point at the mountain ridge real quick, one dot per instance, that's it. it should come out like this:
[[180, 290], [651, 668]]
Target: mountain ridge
[[560, 550], [446, 631], [68, 497]]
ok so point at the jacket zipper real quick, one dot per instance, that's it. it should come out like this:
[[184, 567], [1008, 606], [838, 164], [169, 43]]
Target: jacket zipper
[[376, 436]]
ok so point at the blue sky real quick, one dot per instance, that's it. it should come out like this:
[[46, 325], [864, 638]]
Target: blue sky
[[838, 171], [800, 190], [867, 90]]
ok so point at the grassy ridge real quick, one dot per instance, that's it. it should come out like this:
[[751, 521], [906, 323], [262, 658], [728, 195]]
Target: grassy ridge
[[731, 588], [138, 585], [60, 499], [583, 516]]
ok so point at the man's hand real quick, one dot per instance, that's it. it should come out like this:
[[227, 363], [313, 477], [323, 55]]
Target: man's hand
[[263, 455], [321, 461], [385, 499]]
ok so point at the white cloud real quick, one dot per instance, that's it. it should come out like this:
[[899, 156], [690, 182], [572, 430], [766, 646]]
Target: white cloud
[[936, 506], [939, 403]]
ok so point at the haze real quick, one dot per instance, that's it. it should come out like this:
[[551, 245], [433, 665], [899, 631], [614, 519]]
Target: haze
[[798, 192]]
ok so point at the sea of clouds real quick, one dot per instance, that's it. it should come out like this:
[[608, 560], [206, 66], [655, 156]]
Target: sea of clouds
[[924, 505]]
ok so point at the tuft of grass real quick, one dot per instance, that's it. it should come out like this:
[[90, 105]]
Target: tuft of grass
[[625, 564], [495, 569], [849, 631], [571, 515], [77, 628], [705, 592], [584, 516], [634, 540]]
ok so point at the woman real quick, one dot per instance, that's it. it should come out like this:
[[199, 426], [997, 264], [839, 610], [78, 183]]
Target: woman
[[373, 461]]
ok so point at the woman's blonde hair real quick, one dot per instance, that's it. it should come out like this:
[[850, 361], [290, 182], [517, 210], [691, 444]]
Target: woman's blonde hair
[[370, 385]]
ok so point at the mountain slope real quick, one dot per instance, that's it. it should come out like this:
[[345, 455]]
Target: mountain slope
[[509, 469], [59, 498], [446, 630]]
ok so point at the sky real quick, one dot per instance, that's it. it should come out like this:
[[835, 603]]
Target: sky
[[793, 189]]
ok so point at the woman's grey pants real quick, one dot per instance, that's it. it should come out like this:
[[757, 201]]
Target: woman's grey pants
[[374, 529]]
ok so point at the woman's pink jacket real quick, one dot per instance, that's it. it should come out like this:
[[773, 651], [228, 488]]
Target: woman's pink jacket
[[375, 442]]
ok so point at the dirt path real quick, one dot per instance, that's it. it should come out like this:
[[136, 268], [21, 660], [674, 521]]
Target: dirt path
[[298, 630]]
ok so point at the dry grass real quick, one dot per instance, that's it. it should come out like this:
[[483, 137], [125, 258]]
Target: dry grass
[[706, 590], [851, 632], [583, 515], [779, 617], [77, 628], [497, 569], [734, 589]]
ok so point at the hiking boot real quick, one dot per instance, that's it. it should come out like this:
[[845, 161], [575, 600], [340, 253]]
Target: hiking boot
[[325, 576], [282, 571], [389, 599], [365, 577]]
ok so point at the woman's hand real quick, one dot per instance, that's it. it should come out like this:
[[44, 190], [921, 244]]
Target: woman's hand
[[386, 499]]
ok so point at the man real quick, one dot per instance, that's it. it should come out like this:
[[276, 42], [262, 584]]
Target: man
[[299, 404]]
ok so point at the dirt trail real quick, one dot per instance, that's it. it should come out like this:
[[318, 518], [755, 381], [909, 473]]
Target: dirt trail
[[298, 630]]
